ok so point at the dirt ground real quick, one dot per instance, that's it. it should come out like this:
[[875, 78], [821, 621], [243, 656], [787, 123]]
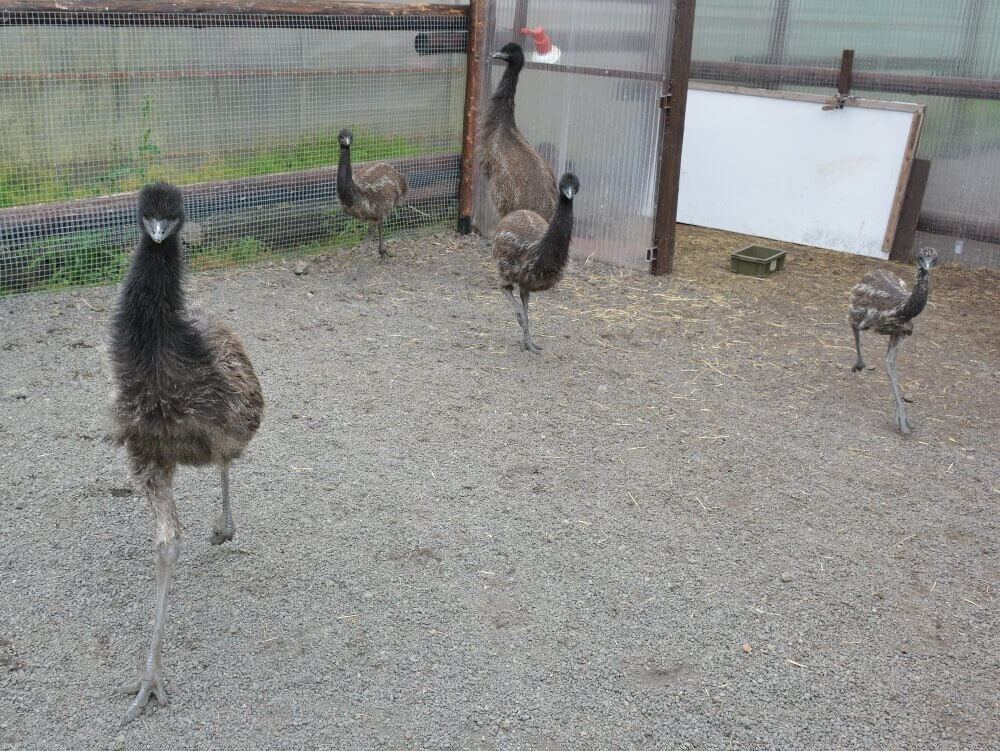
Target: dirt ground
[[685, 525]]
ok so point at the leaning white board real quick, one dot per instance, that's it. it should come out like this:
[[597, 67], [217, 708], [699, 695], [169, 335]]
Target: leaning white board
[[776, 165]]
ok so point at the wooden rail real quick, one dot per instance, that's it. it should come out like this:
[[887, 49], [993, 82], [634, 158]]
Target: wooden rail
[[430, 177], [324, 14]]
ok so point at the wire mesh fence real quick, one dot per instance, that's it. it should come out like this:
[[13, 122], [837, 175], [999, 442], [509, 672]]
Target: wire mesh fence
[[242, 110], [594, 111], [943, 55]]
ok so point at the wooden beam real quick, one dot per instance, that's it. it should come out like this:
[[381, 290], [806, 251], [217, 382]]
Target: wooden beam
[[473, 77], [741, 73], [957, 225], [333, 15], [675, 96], [913, 199], [846, 69], [260, 7]]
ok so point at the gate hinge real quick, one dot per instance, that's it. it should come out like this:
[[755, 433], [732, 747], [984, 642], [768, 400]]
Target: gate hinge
[[651, 253]]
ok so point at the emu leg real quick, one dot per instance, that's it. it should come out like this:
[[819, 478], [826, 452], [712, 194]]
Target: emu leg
[[508, 291], [890, 368], [528, 345], [382, 252], [224, 528], [860, 363], [364, 247], [159, 490]]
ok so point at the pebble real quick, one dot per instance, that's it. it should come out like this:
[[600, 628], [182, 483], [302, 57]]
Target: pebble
[[505, 725], [786, 576], [747, 648], [17, 394], [301, 268]]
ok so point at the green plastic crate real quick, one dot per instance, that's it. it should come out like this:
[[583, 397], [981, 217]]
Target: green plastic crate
[[756, 260]]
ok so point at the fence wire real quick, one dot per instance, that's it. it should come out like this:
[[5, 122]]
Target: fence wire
[[929, 41], [243, 115]]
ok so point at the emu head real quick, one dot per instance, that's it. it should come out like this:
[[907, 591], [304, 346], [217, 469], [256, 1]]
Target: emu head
[[346, 138], [927, 258], [512, 53], [161, 210], [569, 185]]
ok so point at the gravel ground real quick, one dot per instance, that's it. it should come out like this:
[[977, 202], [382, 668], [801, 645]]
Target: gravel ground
[[685, 525]]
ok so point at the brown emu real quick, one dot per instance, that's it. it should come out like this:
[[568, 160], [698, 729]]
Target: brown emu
[[518, 176], [369, 193], [880, 301], [532, 253], [185, 393]]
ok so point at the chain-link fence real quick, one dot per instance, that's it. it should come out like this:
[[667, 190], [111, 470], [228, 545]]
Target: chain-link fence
[[242, 110]]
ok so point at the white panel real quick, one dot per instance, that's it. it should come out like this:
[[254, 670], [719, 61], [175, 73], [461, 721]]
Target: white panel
[[788, 170]]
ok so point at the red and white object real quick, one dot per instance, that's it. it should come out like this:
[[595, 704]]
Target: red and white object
[[545, 51]]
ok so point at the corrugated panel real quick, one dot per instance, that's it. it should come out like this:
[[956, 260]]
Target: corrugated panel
[[603, 128]]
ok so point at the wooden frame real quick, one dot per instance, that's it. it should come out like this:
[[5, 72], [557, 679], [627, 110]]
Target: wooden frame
[[918, 111]]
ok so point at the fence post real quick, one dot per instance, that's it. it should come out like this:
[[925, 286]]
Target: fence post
[[674, 104], [472, 83]]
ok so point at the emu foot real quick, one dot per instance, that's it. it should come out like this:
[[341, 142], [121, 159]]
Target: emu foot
[[383, 254], [529, 346], [858, 366], [905, 426], [221, 532], [151, 684]]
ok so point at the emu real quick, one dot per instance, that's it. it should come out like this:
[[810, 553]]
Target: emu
[[368, 193], [185, 393], [880, 301], [518, 176], [532, 253]]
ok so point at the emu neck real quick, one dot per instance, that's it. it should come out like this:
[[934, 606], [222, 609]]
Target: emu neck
[[502, 101], [553, 248], [915, 303], [152, 302], [345, 178]]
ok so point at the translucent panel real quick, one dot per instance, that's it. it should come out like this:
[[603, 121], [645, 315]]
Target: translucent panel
[[243, 115], [927, 41], [604, 128]]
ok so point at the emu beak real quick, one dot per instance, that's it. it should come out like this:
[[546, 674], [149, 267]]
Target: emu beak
[[499, 56], [159, 229]]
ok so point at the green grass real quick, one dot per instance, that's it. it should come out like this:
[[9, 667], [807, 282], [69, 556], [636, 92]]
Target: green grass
[[26, 184]]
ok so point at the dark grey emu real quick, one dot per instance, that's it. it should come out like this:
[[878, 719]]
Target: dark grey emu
[[185, 393], [880, 301], [532, 253], [369, 193], [518, 176]]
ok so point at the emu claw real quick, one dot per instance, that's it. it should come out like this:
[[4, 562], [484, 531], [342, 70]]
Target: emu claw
[[150, 685], [530, 346], [905, 426], [218, 536]]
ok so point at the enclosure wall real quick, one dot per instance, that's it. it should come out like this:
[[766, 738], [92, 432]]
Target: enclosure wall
[[603, 125], [945, 45], [245, 115]]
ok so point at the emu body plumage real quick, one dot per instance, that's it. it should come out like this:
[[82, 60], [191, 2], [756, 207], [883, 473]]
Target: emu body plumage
[[185, 393], [881, 301], [368, 192], [532, 253], [518, 177]]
